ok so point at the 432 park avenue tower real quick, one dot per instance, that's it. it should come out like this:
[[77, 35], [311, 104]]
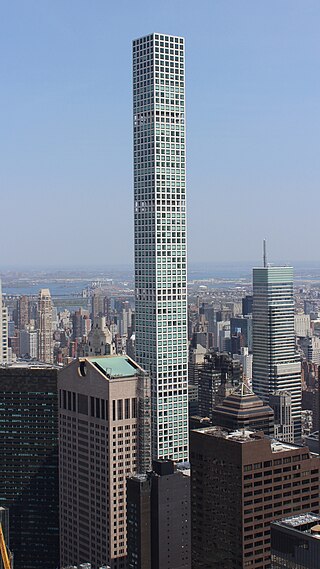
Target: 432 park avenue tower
[[160, 235]]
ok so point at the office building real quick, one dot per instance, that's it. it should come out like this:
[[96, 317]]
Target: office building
[[242, 409], [275, 362], [219, 369], [29, 463], [45, 345], [28, 343], [302, 325], [247, 304], [197, 353], [81, 324], [243, 328], [160, 235], [100, 304], [295, 542], [242, 481], [311, 349], [281, 403], [158, 518], [245, 360], [104, 425]]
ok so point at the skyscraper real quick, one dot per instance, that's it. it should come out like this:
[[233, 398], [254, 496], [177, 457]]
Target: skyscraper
[[23, 312], [45, 326], [4, 349], [158, 518], [275, 362], [29, 463], [160, 235], [104, 422], [241, 482]]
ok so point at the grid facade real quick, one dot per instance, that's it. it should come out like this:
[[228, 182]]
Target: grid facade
[[275, 362], [29, 464], [160, 235], [45, 326], [241, 483], [100, 422]]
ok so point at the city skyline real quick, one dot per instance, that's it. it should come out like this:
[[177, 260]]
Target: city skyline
[[252, 130]]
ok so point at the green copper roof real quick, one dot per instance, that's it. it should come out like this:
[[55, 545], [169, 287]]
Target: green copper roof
[[115, 366]]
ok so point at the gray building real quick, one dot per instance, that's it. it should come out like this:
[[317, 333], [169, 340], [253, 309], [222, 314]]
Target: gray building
[[281, 403], [295, 542], [276, 364]]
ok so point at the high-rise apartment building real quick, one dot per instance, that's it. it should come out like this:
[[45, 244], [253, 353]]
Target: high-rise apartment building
[[275, 362], [29, 463], [23, 312], [4, 347], [45, 342], [104, 437], [160, 235], [241, 482]]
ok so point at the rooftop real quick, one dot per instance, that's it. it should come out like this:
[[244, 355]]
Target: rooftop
[[246, 435], [116, 366], [300, 519], [30, 364]]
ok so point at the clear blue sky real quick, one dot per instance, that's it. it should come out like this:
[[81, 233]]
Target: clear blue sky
[[253, 97]]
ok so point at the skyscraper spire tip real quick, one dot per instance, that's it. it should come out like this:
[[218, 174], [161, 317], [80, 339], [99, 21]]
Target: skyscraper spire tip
[[264, 252]]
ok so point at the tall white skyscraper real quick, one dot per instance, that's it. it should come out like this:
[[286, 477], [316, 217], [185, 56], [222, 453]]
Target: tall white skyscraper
[[4, 349], [275, 362], [160, 235], [45, 346]]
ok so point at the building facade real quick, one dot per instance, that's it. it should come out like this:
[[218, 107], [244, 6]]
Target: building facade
[[158, 518], [4, 346], [281, 403], [295, 542], [104, 425], [160, 235], [275, 362], [241, 483], [29, 463], [45, 340]]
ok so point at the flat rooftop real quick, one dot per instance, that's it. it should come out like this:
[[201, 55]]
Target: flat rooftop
[[29, 364], [300, 520], [115, 366], [245, 435]]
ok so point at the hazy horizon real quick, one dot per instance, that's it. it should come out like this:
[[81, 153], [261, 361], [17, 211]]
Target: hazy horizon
[[253, 123]]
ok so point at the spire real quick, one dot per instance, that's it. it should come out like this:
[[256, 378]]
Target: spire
[[265, 253]]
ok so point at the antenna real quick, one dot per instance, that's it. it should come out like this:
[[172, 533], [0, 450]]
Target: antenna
[[264, 252]]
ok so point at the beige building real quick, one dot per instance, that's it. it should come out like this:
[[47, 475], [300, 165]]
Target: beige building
[[99, 339], [45, 345], [104, 437]]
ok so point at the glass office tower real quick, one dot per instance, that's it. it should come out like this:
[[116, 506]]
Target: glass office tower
[[160, 235], [275, 362]]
